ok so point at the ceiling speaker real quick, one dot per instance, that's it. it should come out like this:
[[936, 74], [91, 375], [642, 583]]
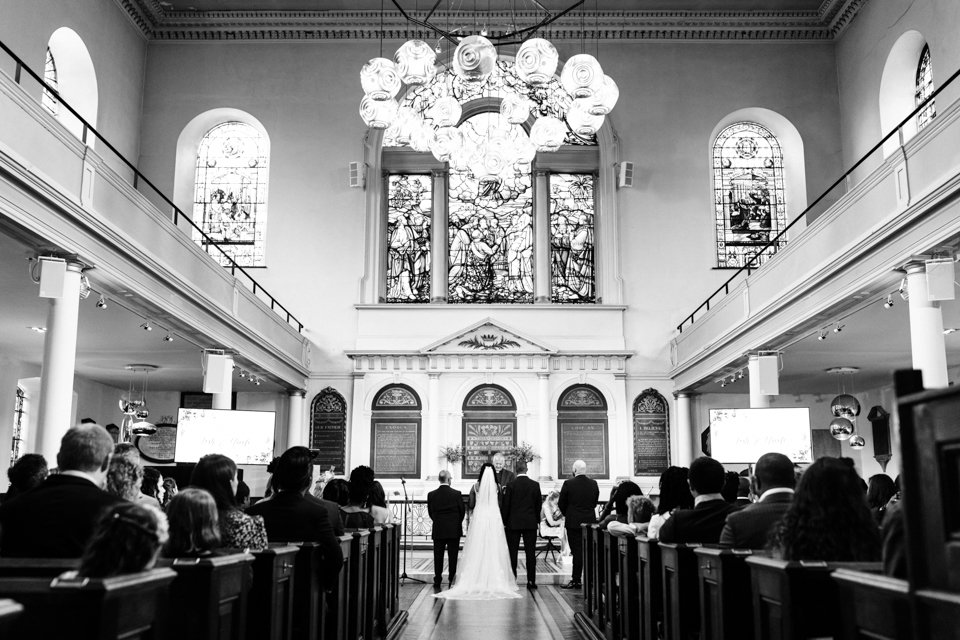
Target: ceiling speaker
[[625, 175]]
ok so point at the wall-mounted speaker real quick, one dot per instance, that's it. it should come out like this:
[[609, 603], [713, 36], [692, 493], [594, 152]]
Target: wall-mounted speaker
[[625, 175], [940, 277], [217, 373], [357, 175]]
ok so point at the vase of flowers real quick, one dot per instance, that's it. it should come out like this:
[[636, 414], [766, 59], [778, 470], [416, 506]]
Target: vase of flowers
[[523, 451], [452, 454]]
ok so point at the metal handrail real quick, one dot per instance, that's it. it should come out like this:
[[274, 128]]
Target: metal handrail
[[138, 178], [749, 266]]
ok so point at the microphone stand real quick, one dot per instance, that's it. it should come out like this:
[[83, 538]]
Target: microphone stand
[[406, 537]]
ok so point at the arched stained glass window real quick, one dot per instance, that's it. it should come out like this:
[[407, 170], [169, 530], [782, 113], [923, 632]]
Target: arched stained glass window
[[924, 88], [230, 202], [750, 209], [572, 206], [409, 221], [50, 103]]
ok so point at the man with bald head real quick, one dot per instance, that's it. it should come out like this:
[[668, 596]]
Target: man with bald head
[[773, 480], [578, 503], [58, 518]]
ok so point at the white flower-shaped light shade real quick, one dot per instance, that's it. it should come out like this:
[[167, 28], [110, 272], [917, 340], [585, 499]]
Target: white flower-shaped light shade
[[378, 114], [462, 158], [380, 79], [474, 58], [841, 428], [416, 62], [583, 123], [526, 151], [536, 61], [548, 133], [404, 124], [857, 442], [447, 142], [446, 112], [603, 101], [515, 108], [582, 76], [421, 137]]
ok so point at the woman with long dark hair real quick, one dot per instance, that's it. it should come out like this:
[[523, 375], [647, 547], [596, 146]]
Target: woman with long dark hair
[[625, 490], [674, 494], [880, 489], [194, 525], [218, 475], [828, 519]]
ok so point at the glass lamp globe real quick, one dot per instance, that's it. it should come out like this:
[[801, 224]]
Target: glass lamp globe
[[446, 112], [548, 133], [525, 150], [857, 442], [416, 62], [421, 137], [603, 101], [536, 61], [583, 123], [462, 158], [474, 58], [515, 108], [380, 79], [447, 142], [582, 76], [845, 406], [491, 161], [378, 114], [841, 428]]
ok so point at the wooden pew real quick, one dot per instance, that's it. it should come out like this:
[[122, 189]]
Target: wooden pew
[[9, 612], [726, 609], [873, 606], [208, 598], [36, 567], [128, 607], [597, 551], [649, 587], [357, 612], [271, 593], [588, 534], [337, 622], [794, 600], [681, 597], [629, 594], [308, 609], [373, 623], [611, 586], [392, 551]]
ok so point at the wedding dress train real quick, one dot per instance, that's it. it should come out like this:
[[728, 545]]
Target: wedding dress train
[[484, 572]]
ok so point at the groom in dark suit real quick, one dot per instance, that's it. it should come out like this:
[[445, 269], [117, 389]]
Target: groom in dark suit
[[445, 507], [521, 516], [773, 482]]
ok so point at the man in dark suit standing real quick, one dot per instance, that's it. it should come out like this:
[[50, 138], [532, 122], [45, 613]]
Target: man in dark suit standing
[[578, 504], [58, 518], [704, 522], [445, 507], [521, 517], [773, 481]]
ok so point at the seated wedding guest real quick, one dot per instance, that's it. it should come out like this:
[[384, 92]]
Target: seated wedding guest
[[551, 521], [294, 514], [321, 483], [126, 450], [243, 495], [750, 527], [25, 474], [218, 474], [124, 478], [880, 489], [127, 540], [58, 518], [705, 521], [337, 490], [356, 514], [610, 504], [828, 519], [271, 469], [731, 486], [743, 492], [639, 511], [378, 504], [674, 494], [625, 490], [194, 526], [893, 554], [152, 486], [170, 489]]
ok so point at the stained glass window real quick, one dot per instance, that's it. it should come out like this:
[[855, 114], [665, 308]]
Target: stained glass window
[[409, 211], [48, 102], [748, 194], [491, 226], [924, 87], [571, 237], [230, 202]]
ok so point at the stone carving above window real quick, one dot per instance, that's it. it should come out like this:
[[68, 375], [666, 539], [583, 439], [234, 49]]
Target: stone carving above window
[[582, 397], [650, 401], [329, 401], [396, 398], [492, 397], [487, 336]]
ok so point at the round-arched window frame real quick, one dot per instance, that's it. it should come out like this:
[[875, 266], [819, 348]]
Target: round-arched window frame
[[396, 427], [489, 426], [328, 430], [583, 431]]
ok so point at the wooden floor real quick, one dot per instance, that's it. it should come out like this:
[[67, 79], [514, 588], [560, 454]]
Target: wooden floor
[[544, 614]]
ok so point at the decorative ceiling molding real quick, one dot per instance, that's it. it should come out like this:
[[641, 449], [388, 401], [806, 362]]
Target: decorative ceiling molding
[[826, 23]]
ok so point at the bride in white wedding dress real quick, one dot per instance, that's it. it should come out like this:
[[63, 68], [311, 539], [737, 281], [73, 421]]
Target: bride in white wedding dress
[[485, 572]]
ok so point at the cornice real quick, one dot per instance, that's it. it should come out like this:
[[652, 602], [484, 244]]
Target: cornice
[[824, 24]]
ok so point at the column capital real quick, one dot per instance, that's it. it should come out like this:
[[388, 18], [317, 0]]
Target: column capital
[[438, 173], [543, 375], [297, 392], [433, 375], [915, 266], [683, 394], [541, 173]]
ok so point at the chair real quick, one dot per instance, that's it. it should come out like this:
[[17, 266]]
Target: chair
[[546, 534]]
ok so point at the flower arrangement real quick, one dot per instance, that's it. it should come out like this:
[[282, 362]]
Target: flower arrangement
[[523, 451], [452, 453]]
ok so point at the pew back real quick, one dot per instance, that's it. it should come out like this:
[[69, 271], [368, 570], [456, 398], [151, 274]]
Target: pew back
[[726, 609], [649, 586], [9, 612], [271, 593], [873, 606], [629, 598], [208, 598], [681, 597]]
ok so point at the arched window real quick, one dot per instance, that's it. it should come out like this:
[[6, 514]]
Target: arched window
[[750, 209], [651, 433], [489, 426], [49, 102], [395, 432], [230, 192], [582, 431], [924, 88], [328, 430]]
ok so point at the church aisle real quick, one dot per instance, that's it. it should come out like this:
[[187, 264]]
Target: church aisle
[[544, 614]]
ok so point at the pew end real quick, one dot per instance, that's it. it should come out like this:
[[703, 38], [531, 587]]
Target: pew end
[[873, 605]]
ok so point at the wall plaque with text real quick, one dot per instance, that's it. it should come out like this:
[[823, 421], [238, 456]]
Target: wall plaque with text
[[395, 448], [481, 439], [651, 454], [161, 446], [583, 440]]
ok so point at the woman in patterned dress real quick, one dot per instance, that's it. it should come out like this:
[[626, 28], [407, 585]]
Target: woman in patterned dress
[[218, 474]]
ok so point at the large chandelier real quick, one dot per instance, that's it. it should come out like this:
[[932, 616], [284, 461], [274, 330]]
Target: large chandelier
[[590, 93], [133, 405]]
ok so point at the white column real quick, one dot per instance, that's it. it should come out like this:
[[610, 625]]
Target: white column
[[295, 431], [435, 431], [358, 444], [926, 330], [620, 430], [548, 459], [758, 400], [541, 229], [59, 362], [685, 435], [438, 238], [223, 399]]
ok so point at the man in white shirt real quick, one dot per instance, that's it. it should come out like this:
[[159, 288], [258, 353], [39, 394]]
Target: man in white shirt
[[773, 481]]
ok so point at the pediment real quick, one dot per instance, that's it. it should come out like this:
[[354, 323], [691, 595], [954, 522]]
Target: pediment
[[488, 336]]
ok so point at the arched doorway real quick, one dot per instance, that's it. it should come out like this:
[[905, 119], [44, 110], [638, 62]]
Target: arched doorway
[[489, 426], [651, 433], [582, 431], [396, 427], [328, 430]]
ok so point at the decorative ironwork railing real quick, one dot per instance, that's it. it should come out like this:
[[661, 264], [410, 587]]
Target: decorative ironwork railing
[[139, 179]]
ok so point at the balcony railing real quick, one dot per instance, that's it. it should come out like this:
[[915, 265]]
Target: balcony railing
[[139, 181], [827, 199]]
